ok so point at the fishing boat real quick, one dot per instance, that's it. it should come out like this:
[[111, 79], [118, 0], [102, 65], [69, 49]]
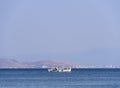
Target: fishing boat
[[56, 69]]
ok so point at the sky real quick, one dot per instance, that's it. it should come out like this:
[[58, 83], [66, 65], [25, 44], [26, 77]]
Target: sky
[[82, 31]]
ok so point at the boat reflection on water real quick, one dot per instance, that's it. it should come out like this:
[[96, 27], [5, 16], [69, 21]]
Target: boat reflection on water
[[56, 69]]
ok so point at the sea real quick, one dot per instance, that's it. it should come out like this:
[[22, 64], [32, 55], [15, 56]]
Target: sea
[[78, 78]]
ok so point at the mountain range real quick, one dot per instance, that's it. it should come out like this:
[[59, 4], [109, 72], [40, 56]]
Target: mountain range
[[12, 63]]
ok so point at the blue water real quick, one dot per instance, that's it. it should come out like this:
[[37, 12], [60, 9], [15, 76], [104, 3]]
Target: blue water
[[78, 78]]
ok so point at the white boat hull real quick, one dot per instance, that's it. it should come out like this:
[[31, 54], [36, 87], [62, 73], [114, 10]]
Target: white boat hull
[[59, 70]]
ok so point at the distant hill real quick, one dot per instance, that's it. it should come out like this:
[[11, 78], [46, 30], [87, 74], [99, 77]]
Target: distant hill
[[50, 63], [11, 63]]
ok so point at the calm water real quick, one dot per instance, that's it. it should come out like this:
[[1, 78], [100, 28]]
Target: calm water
[[78, 78]]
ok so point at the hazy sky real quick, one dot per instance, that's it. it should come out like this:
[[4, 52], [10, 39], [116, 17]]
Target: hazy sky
[[83, 31]]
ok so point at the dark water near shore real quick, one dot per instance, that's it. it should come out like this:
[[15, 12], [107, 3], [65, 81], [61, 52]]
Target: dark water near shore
[[78, 78]]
